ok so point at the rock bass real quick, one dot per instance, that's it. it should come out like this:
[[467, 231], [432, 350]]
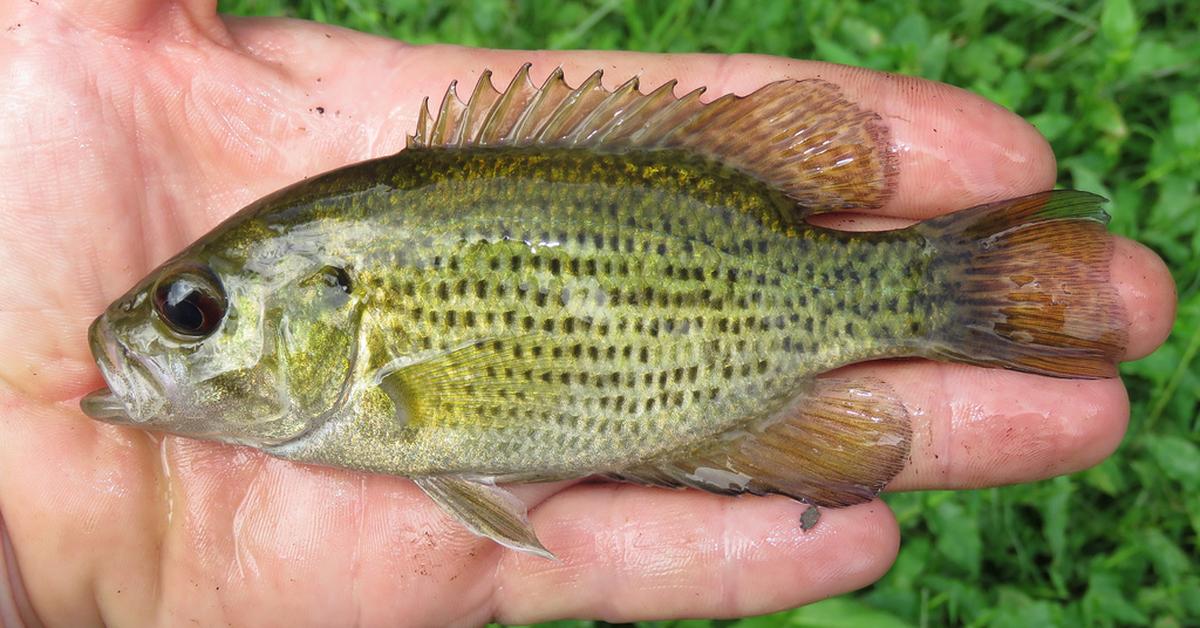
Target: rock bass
[[554, 282]]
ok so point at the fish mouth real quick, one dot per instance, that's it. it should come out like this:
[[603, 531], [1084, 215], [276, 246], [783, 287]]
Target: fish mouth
[[129, 377], [103, 405]]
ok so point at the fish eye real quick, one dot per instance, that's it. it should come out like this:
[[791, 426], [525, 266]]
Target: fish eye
[[190, 301]]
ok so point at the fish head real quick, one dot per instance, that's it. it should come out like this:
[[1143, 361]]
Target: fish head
[[238, 339]]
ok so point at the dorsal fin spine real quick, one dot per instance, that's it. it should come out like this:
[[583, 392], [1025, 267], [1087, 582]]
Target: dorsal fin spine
[[534, 105], [554, 127], [616, 126], [439, 125], [506, 99], [665, 113], [418, 137], [474, 107], [588, 129]]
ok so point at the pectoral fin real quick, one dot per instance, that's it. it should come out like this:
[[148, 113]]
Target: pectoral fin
[[463, 384], [486, 510], [837, 445]]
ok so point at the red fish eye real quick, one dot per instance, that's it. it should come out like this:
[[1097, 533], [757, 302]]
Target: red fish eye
[[191, 302]]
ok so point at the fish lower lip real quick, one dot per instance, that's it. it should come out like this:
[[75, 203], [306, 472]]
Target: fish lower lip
[[103, 404], [105, 350]]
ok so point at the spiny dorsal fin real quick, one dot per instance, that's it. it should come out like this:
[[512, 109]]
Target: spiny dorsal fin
[[800, 136]]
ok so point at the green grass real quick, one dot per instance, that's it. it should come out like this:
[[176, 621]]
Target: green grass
[[1113, 85]]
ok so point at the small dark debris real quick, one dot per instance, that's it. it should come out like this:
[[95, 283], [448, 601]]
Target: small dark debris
[[809, 518], [318, 79], [321, 110], [328, 36]]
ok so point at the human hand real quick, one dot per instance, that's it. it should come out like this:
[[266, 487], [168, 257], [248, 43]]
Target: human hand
[[131, 128]]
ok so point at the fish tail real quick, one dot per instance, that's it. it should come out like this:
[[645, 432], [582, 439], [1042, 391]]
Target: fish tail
[[1028, 284]]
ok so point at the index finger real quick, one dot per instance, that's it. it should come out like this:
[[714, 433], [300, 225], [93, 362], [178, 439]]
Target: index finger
[[954, 149]]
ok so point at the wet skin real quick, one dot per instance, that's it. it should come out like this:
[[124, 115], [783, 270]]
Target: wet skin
[[135, 127]]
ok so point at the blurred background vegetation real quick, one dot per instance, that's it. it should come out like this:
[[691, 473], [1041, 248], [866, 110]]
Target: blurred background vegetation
[[1113, 85]]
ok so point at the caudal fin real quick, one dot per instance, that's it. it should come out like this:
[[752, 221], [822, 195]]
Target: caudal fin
[[1030, 278]]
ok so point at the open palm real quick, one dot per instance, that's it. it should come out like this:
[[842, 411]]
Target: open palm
[[130, 128]]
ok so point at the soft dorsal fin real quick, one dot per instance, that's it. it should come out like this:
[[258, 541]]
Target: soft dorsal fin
[[802, 137]]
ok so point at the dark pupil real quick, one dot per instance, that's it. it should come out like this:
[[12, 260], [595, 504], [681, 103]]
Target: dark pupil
[[189, 307], [184, 310]]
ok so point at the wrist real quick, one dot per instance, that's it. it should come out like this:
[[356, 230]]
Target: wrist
[[15, 609]]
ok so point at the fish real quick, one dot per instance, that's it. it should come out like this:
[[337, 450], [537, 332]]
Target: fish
[[554, 282]]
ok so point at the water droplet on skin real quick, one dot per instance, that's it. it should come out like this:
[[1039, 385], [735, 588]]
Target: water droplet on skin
[[165, 464]]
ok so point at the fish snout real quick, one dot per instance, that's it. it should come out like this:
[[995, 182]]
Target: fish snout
[[132, 381]]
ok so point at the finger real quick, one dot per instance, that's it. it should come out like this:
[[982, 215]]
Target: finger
[[1147, 291], [628, 552], [955, 149], [122, 17], [974, 427]]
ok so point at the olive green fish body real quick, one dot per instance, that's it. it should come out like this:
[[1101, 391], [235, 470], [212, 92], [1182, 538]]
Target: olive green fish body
[[632, 303], [555, 282]]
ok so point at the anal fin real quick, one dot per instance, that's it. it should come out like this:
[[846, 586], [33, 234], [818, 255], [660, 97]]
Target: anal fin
[[839, 444], [486, 510]]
